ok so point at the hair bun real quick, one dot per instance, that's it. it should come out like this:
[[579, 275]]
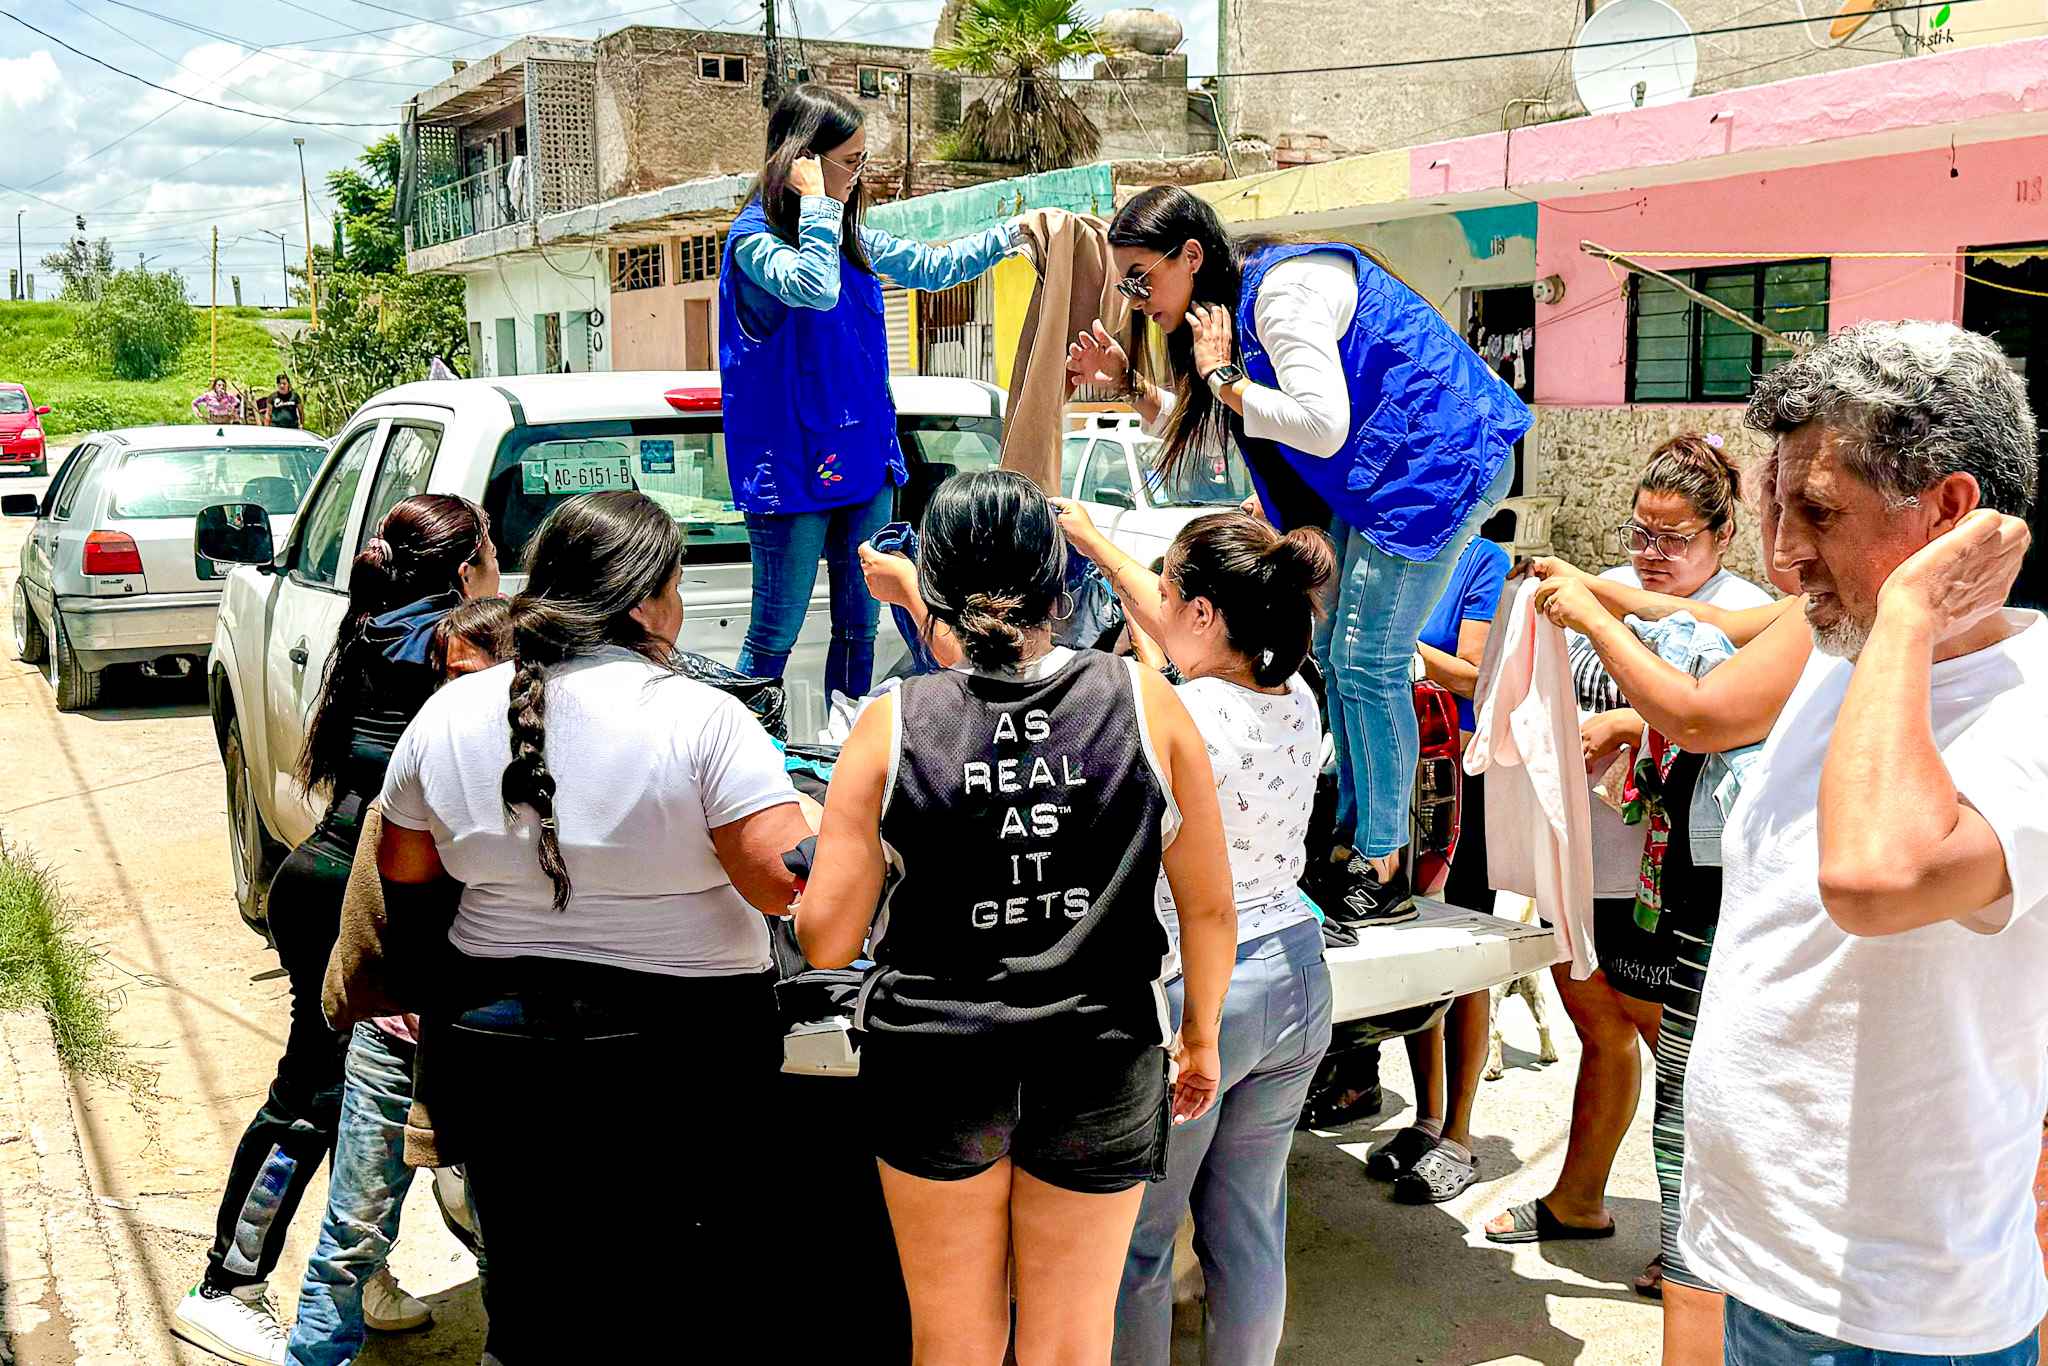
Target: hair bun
[[1303, 559]]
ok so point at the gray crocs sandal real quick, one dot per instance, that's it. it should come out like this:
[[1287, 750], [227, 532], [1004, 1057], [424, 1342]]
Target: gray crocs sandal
[[1399, 1154], [1438, 1175]]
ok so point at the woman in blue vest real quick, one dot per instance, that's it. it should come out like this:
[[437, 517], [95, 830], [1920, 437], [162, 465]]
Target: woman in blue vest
[[1357, 407], [803, 350]]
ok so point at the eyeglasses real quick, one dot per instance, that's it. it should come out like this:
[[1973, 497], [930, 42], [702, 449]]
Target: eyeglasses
[[1134, 288], [854, 168], [1638, 539]]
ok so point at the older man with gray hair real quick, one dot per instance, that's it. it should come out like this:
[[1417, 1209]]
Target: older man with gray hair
[[1867, 1086]]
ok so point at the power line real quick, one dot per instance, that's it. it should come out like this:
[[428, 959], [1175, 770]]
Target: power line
[[224, 108]]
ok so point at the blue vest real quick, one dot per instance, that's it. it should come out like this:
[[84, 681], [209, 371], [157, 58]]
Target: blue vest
[[809, 421], [1431, 423]]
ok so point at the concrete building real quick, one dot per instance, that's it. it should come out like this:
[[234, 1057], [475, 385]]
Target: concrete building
[[582, 189], [1308, 119], [1908, 190]]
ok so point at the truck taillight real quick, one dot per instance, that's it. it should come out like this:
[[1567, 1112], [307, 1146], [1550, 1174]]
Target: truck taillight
[[694, 400], [112, 552]]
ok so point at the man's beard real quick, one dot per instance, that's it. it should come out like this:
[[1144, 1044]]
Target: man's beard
[[1843, 639]]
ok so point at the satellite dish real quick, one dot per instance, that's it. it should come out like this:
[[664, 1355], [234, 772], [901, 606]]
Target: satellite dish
[[1633, 54]]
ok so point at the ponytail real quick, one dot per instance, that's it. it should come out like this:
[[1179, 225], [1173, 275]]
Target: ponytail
[[594, 559], [1267, 587], [1699, 469], [418, 551]]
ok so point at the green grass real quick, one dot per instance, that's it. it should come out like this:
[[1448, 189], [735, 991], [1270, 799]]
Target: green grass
[[36, 350], [45, 966]]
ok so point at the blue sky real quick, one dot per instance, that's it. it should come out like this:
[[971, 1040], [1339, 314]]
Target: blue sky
[[154, 173]]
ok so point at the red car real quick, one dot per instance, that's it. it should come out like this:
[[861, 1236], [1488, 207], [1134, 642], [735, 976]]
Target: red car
[[21, 430]]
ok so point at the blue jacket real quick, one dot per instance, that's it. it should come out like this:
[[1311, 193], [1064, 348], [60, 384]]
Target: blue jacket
[[809, 421], [1432, 424]]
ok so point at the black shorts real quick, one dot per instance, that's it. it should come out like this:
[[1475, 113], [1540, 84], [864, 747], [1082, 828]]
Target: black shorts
[[1636, 962], [1088, 1117]]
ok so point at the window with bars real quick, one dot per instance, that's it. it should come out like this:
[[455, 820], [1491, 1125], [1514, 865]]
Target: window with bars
[[638, 267], [722, 67], [697, 257], [1682, 352]]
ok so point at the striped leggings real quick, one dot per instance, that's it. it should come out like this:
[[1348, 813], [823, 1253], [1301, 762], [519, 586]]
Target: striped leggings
[[1695, 944]]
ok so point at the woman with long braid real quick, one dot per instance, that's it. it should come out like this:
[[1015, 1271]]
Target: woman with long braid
[[612, 957]]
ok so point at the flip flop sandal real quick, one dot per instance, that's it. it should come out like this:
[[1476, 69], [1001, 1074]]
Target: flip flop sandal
[[1650, 1285], [1534, 1223], [1399, 1154], [1438, 1176]]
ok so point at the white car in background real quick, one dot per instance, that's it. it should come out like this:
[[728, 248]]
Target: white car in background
[[1111, 467], [107, 573]]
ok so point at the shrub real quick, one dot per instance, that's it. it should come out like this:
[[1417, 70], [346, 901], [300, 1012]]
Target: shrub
[[139, 324], [376, 331]]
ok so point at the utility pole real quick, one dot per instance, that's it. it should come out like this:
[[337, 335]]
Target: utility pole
[[771, 73], [213, 313], [284, 263], [909, 138], [306, 213], [20, 261]]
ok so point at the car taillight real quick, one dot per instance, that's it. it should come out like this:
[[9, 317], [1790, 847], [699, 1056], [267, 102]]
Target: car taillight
[[694, 400], [112, 552]]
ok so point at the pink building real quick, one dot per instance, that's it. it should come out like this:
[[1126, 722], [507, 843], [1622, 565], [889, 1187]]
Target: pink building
[[1808, 204]]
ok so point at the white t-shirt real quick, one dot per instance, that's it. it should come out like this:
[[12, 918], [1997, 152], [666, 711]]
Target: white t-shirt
[[1264, 749], [1305, 306], [1863, 1116], [1617, 845], [646, 765]]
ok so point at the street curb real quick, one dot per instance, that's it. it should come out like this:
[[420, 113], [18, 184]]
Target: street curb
[[56, 1239]]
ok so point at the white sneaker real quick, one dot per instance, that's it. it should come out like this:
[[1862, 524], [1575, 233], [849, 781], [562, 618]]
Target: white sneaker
[[388, 1309], [238, 1325]]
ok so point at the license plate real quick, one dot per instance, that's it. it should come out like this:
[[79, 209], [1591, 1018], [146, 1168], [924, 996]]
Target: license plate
[[586, 474]]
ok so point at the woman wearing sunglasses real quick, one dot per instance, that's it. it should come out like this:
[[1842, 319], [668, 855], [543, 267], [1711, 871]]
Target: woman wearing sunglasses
[[1357, 408], [803, 350]]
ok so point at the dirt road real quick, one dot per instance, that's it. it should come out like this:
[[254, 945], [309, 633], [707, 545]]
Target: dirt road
[[127, 803]]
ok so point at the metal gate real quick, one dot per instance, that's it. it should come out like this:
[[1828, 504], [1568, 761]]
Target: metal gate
[[957, 331]]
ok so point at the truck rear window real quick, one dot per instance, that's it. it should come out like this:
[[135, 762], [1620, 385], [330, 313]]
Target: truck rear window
[[679, 462], [180, 483]]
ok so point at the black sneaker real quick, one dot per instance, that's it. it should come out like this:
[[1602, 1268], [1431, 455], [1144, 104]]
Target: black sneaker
[[1368, 901]]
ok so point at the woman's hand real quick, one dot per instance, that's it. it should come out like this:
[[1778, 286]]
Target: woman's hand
[[1211, 327], [891, 579], [807, 176], [1569, 603], [1198, 1078], [1960, 577], [1607, 734], [1097, 360], [1548, 567], [1080, 528]]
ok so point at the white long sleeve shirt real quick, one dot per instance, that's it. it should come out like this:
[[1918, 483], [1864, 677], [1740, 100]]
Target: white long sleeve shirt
[[1304, 307]]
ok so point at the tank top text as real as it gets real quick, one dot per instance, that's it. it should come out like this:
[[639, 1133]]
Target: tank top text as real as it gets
[[1023, 823]]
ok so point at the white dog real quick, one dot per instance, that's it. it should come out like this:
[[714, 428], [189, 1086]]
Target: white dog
[[1531, 992]]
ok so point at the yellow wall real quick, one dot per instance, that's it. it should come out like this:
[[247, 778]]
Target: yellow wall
[[1376, 178], [1012, 283]]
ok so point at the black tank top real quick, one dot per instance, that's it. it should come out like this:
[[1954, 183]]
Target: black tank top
[[1023, 826]]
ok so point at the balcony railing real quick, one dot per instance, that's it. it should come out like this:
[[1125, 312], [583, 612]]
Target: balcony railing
[[478, 203]]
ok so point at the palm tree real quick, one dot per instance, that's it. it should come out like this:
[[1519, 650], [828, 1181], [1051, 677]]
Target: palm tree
[[1028, 119]]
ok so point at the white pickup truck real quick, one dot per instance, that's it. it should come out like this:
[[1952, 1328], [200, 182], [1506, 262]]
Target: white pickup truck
[[517, 445]]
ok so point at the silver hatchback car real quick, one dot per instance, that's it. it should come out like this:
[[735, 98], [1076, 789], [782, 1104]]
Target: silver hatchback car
[[108, 575]]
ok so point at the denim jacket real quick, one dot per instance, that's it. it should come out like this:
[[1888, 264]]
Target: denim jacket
[[1682, 640]]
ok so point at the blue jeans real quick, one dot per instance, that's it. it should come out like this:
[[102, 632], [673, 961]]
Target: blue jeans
[[1754, 1338], [1230, 1166], [786, 549], [365, 1192], [1365, 647]]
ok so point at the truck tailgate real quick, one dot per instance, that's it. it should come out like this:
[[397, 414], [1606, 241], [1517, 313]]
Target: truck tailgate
[[1444, 952]]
